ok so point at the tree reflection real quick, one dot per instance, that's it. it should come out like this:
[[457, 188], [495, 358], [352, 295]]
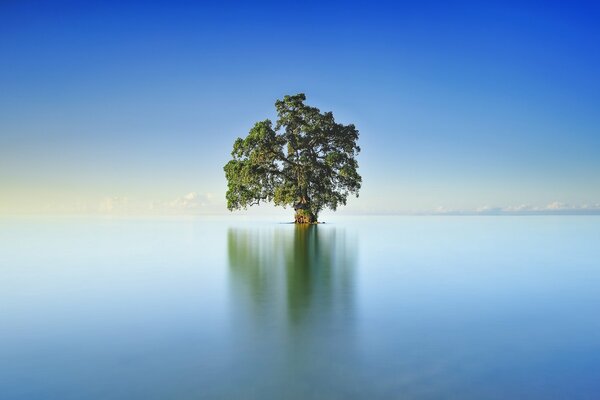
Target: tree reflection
[[292, 308], [305, 272]]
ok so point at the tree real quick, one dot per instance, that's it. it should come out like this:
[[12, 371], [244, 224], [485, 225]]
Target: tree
[[307, 160]]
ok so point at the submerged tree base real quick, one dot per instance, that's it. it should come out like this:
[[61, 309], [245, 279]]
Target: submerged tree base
[[305, 217]]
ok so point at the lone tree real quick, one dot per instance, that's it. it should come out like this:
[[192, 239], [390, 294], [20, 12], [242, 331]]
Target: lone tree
[[307, 160]]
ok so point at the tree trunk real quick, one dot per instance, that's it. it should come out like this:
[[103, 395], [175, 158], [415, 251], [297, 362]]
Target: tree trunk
[[303, 214], [305, 217]]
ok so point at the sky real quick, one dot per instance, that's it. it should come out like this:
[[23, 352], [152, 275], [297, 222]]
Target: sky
[[462, 107]]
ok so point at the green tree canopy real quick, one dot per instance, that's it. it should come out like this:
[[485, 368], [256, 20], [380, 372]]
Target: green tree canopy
[[307, 160]]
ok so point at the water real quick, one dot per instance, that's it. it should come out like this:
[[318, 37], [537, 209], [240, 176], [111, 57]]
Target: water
[[370, 307]]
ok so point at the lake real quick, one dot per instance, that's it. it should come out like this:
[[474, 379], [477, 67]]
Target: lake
[[449, 307]]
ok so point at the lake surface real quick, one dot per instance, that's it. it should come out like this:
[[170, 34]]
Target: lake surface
[[359, 308]]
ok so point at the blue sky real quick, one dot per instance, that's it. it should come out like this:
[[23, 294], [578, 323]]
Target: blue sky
[[462, 106]]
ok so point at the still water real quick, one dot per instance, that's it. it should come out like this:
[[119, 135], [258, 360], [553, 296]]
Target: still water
[[364, 308]]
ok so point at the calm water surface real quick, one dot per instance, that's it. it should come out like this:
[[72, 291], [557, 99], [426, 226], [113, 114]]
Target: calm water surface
[[365, 308]]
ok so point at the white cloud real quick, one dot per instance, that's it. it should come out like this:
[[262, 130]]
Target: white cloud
[[555, 207], [114, 205], [489, 210], [191, 201], [520, 208]]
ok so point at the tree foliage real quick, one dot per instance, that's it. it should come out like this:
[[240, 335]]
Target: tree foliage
[[306, 160]]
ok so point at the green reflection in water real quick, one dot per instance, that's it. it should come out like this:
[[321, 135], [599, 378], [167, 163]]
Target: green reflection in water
[[309, 269], [292, 290]]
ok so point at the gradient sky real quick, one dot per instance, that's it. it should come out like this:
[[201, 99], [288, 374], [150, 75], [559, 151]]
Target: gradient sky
[[460, 105]]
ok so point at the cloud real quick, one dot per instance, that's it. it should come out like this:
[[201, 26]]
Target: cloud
[[489, 210], [190, 203], [555, 207], [114, 205], [520, 208]]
